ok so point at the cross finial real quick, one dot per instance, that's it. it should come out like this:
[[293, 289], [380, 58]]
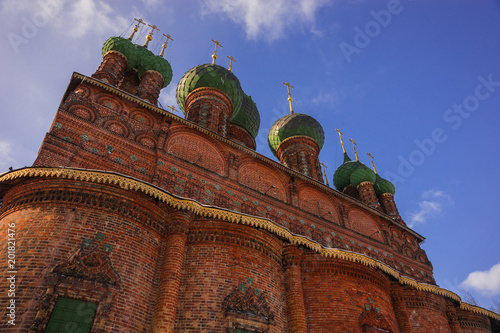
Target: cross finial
[[231, 63], [373, 165], [136, 28], [354, 147], [149, 37], [214, 56], [172, 107], [288, 86], [164, 46], [341, 141], [324, 173]]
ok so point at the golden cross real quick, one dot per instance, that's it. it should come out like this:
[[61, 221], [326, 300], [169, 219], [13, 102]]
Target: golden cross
[[373, 165], [288, 86], [149, 37], [231, 63], [354, 147], [341, 141], [172, 107], [164, 46], [214, 56], [139, 22], [324, 173]]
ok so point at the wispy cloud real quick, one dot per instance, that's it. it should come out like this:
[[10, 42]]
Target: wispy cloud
[[485, 282], [432, 203], [329, 98], [267, 19], [73, 18]]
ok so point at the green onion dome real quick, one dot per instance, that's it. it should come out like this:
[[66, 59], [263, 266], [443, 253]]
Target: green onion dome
[[362, 174], [383, 186], [248, 117], [139, 57], [146, 61], [122, 45], [342, 176], [295, 124], [211, 76], [352, 173]]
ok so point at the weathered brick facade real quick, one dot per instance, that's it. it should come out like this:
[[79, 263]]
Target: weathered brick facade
[[175, 225]]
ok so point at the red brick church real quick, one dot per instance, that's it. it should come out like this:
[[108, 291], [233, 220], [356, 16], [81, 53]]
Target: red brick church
[[134, 219]]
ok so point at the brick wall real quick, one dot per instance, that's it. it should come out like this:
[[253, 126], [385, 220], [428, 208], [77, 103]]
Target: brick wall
[[338, 295], [219, 259], [53, 221]]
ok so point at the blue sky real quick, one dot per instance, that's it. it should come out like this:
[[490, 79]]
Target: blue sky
[[415, 83]]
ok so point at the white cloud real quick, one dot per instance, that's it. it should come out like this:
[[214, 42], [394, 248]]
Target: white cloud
[[267, 19], [84, 16], [431, 204], [73, 18], [485, 282], [329, 98]]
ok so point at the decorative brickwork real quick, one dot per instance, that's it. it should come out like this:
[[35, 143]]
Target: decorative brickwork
[[367, 194], [130, 82], [389, 206], [473, 322], [296, 314], [399, 306], [150, 86], [112, 68], [210, 108], [427, 311], [300, 153], [241, 136], [171, 272]]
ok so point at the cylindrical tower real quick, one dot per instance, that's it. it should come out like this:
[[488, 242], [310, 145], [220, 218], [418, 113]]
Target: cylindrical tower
[[296, 140]]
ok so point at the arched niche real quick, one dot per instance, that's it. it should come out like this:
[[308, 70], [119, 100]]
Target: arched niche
[[316, 203], [262, 179], [363, 224], [196, 150]]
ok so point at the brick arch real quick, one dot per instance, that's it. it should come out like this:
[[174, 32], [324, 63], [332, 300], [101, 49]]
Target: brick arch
[[110, 101], [196, 150], [142, 117], [421, 256], [262, 178], [83, 90], [146, 139], [85, 112], [317, 203], [117, 126], [407, 250], [365, 225]]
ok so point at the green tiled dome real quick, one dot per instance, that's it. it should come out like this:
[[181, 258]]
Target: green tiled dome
[[146, 61], [295, 124], [383, 186], [139, 57], [122, 45], [248, 117], [213, 76], [342, 176], [362, 174], [352, 173]]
